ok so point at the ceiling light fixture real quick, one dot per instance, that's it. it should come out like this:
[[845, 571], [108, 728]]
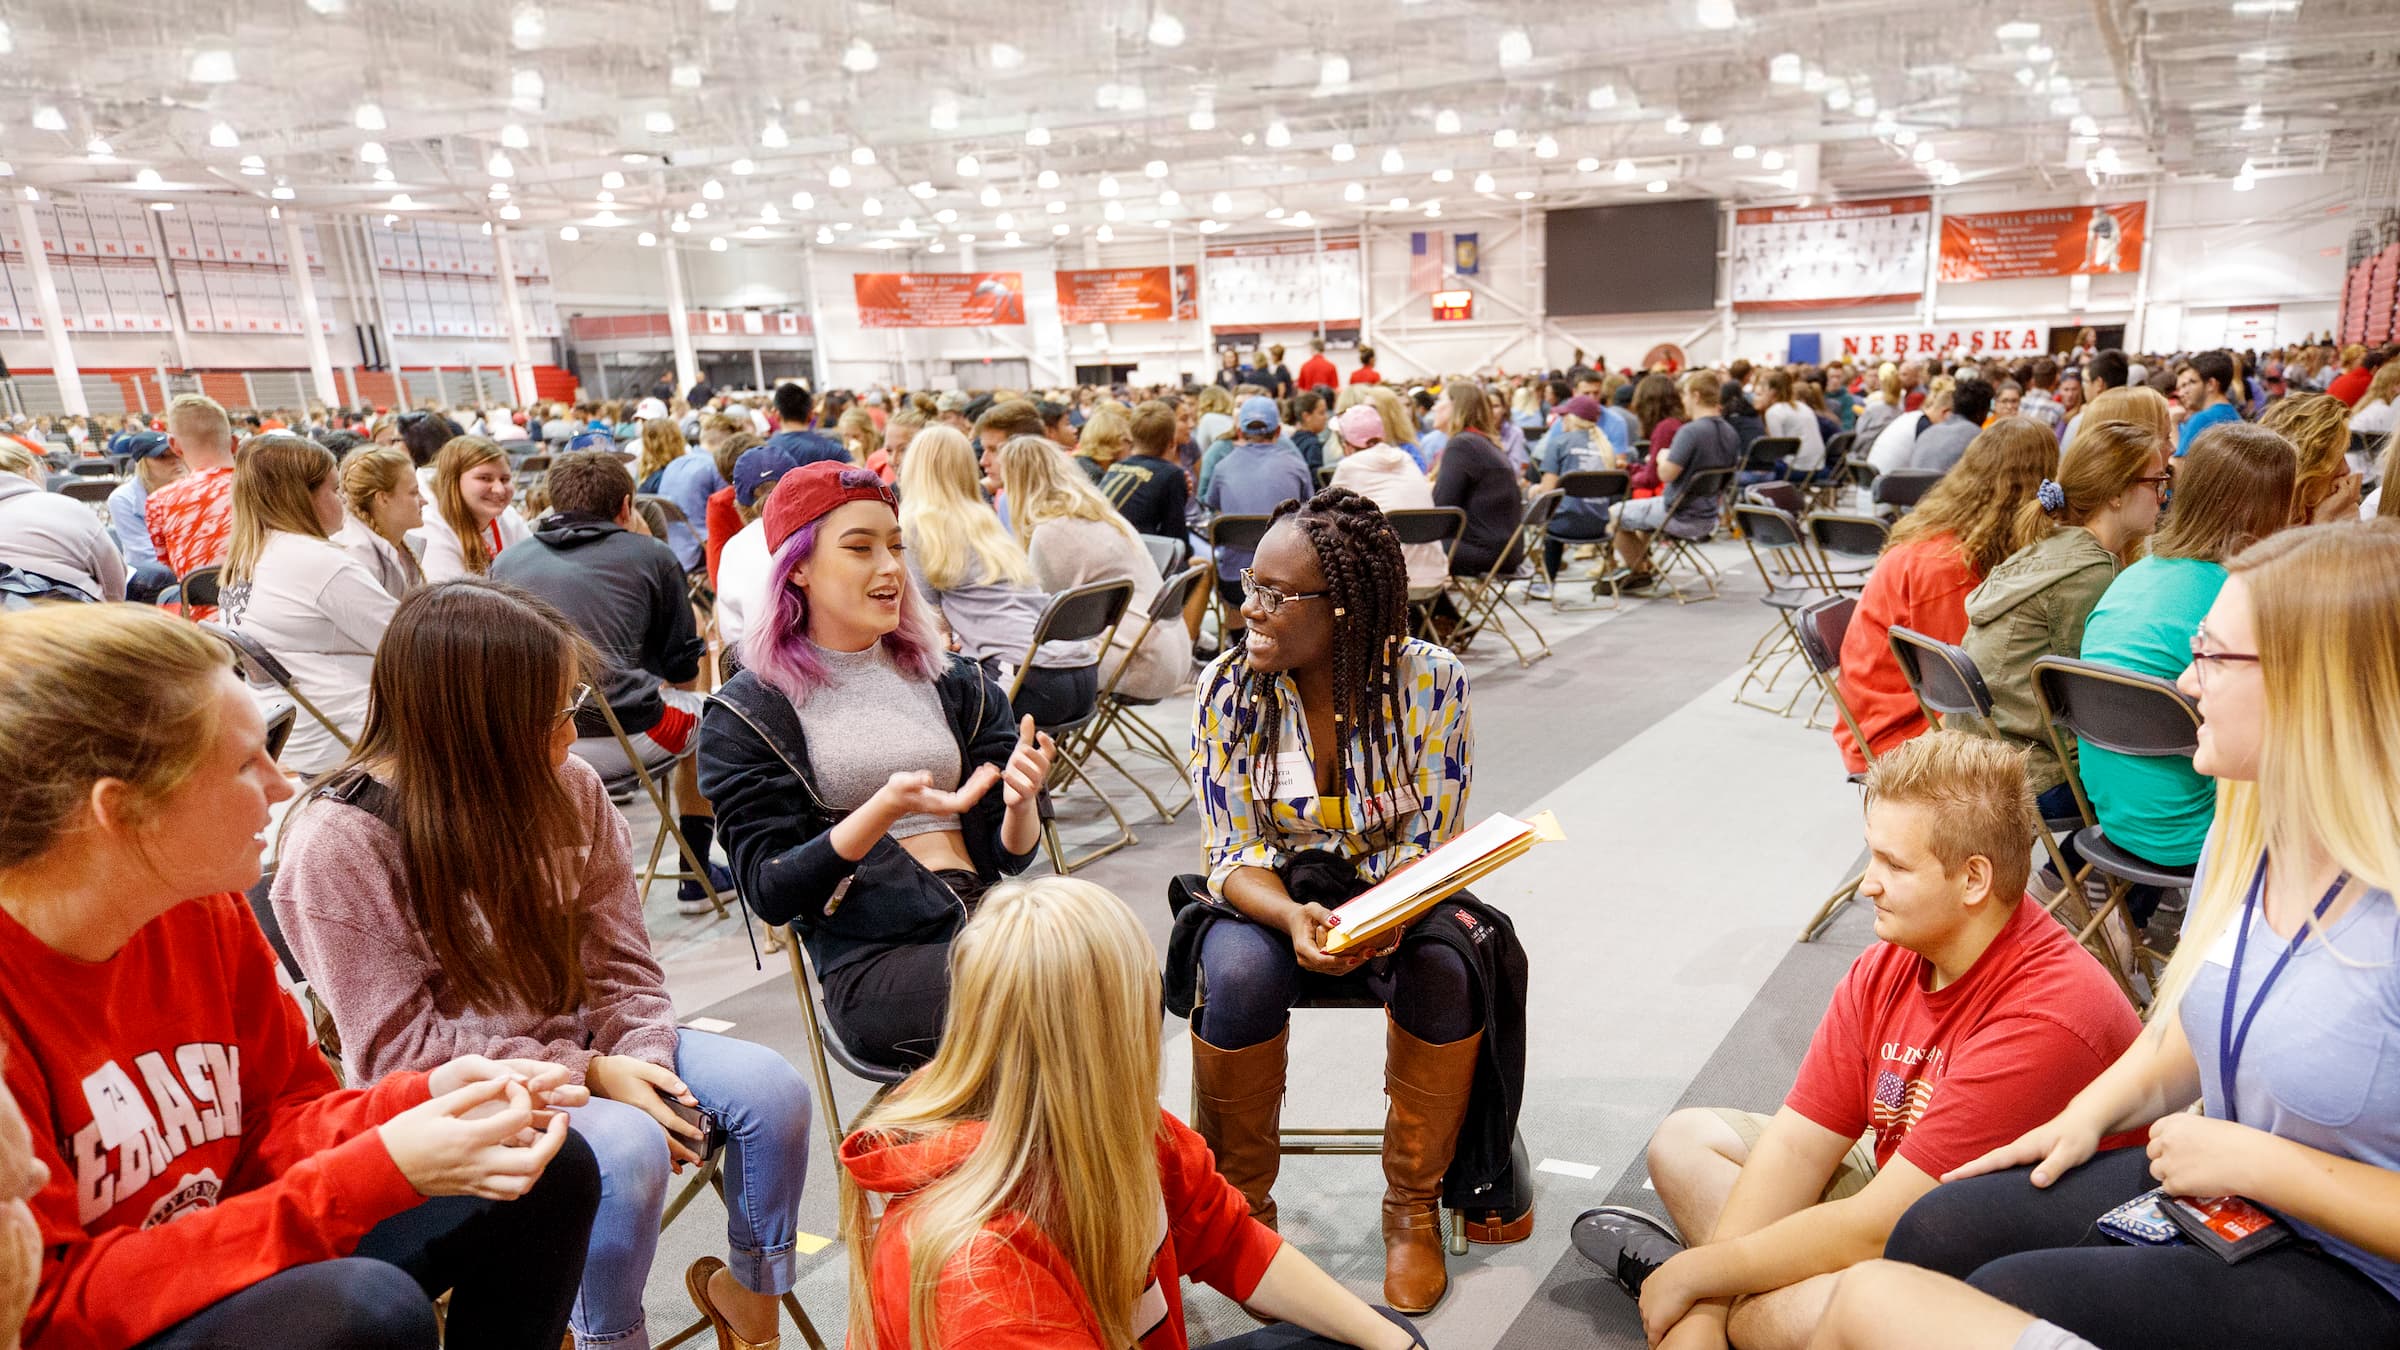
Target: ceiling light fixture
[[1156, 168], [1446, 122], [99, 148], [253, 165], [1046, 180], [1166, 197], [1333, 73], [371, 152], [1745, 151], [1105, 235], [611, 181], [772, 136], [1204, 116], [1005, 56], [646, 239], [838, 176], [1624, 171], [870, 207], [1655, 185], [2085, 127], [1343, 152], [527, 27], [508, 211], [1516, 48], [1401, 203], [282, 193], [1676, 125], [148, 178], [1004, 221], [990, 196], [1587, 164], [1600, 97], [1166, 30], [213, 65], [946, 216], [1924, 152], [743, 167], [499, 165], [368, 117], [48, 118], [968, 166], [659, 122], [1838, 97], [2019, 30], [223, 136], [1037, 136], [1443, 175], [1392, 162], [717, 245], [569, 233], [1484, 183], [804, 201], [1354, 192], [1278, 135], [401, 201], [859, 57], [699, 211], [525, 90], [1505, 138], [943, 115], [1112, 210], [862, 155], [1522, 194], [1108, 186], [1301, 220], [1221, 204], [680, 225], [513, 136], [1717, 14], [383, 173], [1546, 147], [684, 75], [713, 190], [1784, 68]]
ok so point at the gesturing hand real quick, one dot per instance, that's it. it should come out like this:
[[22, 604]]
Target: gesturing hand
[[452, 1146], [913, 793], [1028, 765]]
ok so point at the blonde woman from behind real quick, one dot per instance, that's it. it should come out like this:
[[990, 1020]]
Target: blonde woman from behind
[[1073, 537], [1034, 1192], [2277, 1012]]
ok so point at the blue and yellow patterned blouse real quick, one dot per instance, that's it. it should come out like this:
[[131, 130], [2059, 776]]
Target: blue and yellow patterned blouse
[[1379, 824]]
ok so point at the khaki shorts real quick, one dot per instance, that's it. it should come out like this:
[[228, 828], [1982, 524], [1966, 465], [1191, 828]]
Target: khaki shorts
[[1858, 1165]]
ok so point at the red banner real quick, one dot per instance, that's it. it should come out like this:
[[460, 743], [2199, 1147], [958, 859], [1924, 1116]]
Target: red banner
[[2060, 241], [939, 299], [1126, 295]]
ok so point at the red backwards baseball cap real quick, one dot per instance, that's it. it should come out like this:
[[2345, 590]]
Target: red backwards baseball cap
[[803, 496]]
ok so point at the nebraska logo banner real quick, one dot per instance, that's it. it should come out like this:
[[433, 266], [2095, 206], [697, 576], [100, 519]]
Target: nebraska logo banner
[[939, 299], [1127, 295], [2059, 241]]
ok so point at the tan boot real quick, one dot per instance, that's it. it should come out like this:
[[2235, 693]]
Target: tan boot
[[1238, 1108], [1428, 1086]]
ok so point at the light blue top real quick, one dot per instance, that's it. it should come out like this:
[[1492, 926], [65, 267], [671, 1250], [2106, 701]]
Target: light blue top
[[2201, 421], [687, 481], [1570, 450], [2321, 1066], [1617, 425], [128, 526]]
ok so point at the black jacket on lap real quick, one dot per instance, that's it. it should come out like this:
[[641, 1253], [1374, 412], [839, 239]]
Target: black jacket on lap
[[754, 769]]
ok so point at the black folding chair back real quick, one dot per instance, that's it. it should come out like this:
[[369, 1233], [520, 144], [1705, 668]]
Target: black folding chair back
[[1428, 525], [1837, 450], [1775, 531], [1165, 554], [1784, 497], [1480, 599], [1847, 546], [199, 586], [90, 491], [92, 468], [1767, 451], [257, 665], [1823, 625], [1596, 484], [1944, 677], [1237, 531], [1083, 614], [1902, 489]]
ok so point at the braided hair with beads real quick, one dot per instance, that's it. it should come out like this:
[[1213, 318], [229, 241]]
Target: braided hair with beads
[[1366, 581]]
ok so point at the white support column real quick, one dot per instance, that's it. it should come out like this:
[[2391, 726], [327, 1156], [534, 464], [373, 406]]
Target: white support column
[[176, 327], [816, 320], [1933, 263], [520, 351], [54, 320], [758, 370], [2138, 332], [320, 360], [679, 322]]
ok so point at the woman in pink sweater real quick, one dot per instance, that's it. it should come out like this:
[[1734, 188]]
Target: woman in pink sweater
[[462, 779]]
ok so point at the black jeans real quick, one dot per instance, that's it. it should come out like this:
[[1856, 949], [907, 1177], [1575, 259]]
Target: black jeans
[[1252, 980], [511, 1269], [888, 1007], [2037, 1250], [1570, 526], [1284, 1336]]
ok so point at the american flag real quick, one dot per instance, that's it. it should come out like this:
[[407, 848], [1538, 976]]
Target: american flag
[[1899, 1104], [1425, 260]]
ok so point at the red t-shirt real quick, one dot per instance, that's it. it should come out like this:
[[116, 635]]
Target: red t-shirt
[[1946, 1077], [2351, 385], [191, 523], [724, 522], [1366, 375], [228, 1153], [1923, 585], [1317, 372]]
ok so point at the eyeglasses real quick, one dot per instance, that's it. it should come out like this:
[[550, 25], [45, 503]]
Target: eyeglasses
[[577, 703], [2202, 656], [1270, 599]]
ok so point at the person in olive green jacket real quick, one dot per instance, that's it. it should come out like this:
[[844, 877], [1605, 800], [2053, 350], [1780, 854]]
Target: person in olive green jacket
[[2098, 509]]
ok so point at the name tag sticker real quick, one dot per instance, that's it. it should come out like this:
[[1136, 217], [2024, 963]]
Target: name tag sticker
[[117, 1106], [2220, 952]]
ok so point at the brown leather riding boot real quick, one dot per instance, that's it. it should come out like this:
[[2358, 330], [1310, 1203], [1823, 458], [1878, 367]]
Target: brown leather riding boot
[[1429, 1086], [1237, 1106]]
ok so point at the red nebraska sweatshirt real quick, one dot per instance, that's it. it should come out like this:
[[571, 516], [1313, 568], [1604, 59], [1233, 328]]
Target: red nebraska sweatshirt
[[1017, 1293], [196, 1141]]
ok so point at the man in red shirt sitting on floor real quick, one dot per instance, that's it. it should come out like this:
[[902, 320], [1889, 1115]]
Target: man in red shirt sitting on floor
[[1974, 1018]]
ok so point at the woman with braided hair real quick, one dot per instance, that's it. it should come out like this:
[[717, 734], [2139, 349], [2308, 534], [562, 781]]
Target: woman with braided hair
[[1331, 751]]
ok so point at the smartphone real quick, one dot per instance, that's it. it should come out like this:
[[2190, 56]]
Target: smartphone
[[712, 1135]]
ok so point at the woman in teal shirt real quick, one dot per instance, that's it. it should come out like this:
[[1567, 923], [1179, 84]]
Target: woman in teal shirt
[[2234, 489]]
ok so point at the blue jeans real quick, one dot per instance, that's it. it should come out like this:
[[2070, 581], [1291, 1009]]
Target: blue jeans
[[764, 1106]]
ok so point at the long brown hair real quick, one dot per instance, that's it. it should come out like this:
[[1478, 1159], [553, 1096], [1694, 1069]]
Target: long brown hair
[[2103, 465], [461, 454], [273, 482], [467, 688], [1655, 400], [2234, 489], [1980, 501]]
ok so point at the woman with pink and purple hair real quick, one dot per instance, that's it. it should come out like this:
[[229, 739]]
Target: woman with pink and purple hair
[[853, 762]]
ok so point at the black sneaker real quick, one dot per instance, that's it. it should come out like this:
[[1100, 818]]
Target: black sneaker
[[1624, 1243]]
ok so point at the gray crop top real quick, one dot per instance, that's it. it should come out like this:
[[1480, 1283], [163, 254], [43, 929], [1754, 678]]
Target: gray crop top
[[870, 721]]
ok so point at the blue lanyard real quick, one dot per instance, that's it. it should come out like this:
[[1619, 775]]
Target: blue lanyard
[[2230, 1038]]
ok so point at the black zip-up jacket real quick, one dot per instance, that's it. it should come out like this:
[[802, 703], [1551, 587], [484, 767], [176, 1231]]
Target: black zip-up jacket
[[626, 593], [754, 770]]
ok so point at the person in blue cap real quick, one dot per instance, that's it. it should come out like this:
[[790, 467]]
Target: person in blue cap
[[146, 454], [1257, 473], [744, 567]]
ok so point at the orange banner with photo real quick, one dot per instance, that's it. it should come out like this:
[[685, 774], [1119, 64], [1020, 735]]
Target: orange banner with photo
[[2058, 241], [1127, 295], [939, 299]]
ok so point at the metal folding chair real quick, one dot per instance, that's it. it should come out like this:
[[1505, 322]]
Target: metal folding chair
[[260, 666], [1782, 495], [1481, 599], [695, 868], [198, 589], [1166, 554], [92, 492], [1440, 525], [1847, 547], [1601, 485], [2131, 714], [92, 468], [1115, 710], [1901, 489], [1787, 564], [1684, 550], [1820, 627], [1083, 614], [1948, 686], [1825, 485], [1238, 532], [1768, 451]]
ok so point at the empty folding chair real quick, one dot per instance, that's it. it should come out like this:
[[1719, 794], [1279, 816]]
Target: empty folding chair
[[1788, 565], [1083, 614], [198, 589], [1820, 626], [1607, 486], [258, 666], [1847, 546], [1949, 687], [1115, 710], [1825, 485], [1677, 544], [1767, 452], [1234, 532], [1783, 496], [92, 468], [1481, 599], [2130, 714], [92, 492], [1166, 554], [695, 868], [1435, 525]]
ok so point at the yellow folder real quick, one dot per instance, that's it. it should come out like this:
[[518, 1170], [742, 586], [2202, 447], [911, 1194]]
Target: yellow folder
[[1398, 899]]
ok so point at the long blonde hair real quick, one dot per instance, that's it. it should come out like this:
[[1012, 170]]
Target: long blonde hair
[[273, 483], [953, 531], [662, 445], [2136, 403], [1981, 501], [1043, 485], [2318, 426], [2329, 750], [459, 455], [1107, 435], [1051, 1044]]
